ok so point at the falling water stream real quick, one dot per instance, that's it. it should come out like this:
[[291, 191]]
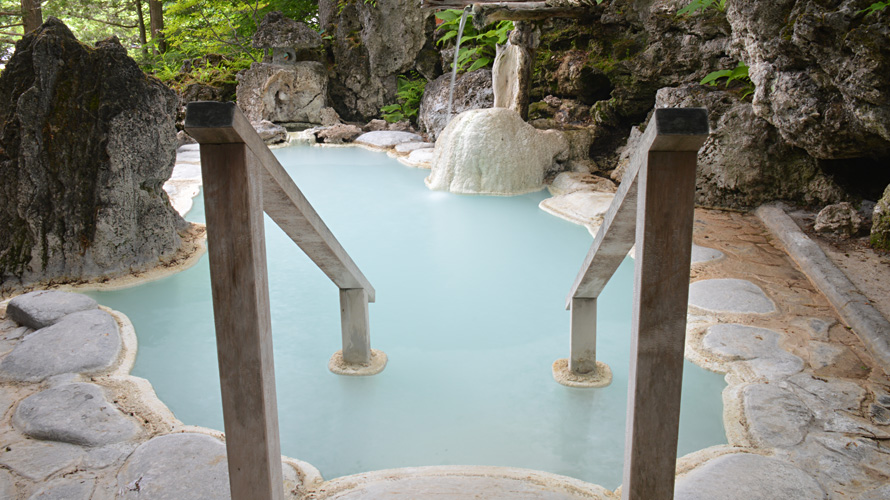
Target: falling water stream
[[460, 33]]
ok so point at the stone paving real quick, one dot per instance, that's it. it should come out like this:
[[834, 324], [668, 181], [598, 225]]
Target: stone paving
[[74, 425], [806, 409]]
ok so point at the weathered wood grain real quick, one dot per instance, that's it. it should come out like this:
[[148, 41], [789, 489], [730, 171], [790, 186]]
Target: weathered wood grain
[[239, 284]]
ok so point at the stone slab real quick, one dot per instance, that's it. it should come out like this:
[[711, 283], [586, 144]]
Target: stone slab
[[408, 147], [743, 342], [386, 139], [581, 207], [776, 417], [730, 296], [66, 489], [745, 476], [852, 305], [881, 493], [421, 157], [776, 367], [74, 413], [7, 484], [37, 460], [455, 482], [82, 342], [176, 467], [46, 307], [701, 254]]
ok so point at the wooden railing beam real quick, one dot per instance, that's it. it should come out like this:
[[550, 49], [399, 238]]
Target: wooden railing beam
[[239, 284], [222, 123]]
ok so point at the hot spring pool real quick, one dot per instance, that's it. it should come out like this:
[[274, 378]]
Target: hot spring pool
[[470, 310]]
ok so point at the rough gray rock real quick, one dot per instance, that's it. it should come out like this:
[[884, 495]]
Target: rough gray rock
[[372, 43], [471, 91], [82, 342], [386, 138], [744, 476], [86, 144], [7, 484], [37, 460], [45, 307], [271, 133], [745, 162], [408, 147], [776, 417], [840, 219], [821, 73], [880, 222], [700, 254], [176, 467], [880, 493], [283, 94], [741, 342], [729, 295], [74, 413], [839, 461], [66, 489], [275, 30], [339, 134]]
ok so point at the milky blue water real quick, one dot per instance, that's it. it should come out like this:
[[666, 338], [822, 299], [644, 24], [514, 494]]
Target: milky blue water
[[470, 310]]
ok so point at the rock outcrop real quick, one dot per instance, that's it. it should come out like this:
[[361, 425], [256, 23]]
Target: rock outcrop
[[371, 43], [294, 93], [821, 72], [86, 144], [493, 151], [472, 90], [745, 162], [880, 222]]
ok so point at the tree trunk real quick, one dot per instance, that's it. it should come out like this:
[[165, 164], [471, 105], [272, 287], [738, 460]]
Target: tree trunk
[[32, 15], [156, 17], [141, 23]]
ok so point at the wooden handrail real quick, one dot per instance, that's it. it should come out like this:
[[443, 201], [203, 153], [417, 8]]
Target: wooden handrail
[[224, 123], [671, 129], [654, 209], [242, 179]]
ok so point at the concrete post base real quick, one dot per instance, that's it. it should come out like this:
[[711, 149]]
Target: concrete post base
[[601, 377], [339, 366]]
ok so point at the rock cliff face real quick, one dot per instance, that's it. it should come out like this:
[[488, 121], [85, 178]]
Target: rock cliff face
[[86, 144], [821, 71], [745, 162], [371, 44], [471, 91]]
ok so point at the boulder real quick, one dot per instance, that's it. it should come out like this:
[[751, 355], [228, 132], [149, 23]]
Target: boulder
[[493, 151], [283, 94], [745, 476], [270, 133], [840, 219], [339, 134], [880, 222], [370, 44], [86, 144], [820, 71], [746, 162], [471, 91], [386, 139], [275, 30]]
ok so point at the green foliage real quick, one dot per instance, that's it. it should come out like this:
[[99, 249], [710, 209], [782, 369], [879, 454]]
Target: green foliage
[[738, 74], [702, 5], [875, 7], [198, 27], [477, 48], [410, 91]]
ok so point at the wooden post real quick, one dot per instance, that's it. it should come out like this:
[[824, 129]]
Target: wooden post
[[665, 211], [355, 326], [238, 279], [582, 347]]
